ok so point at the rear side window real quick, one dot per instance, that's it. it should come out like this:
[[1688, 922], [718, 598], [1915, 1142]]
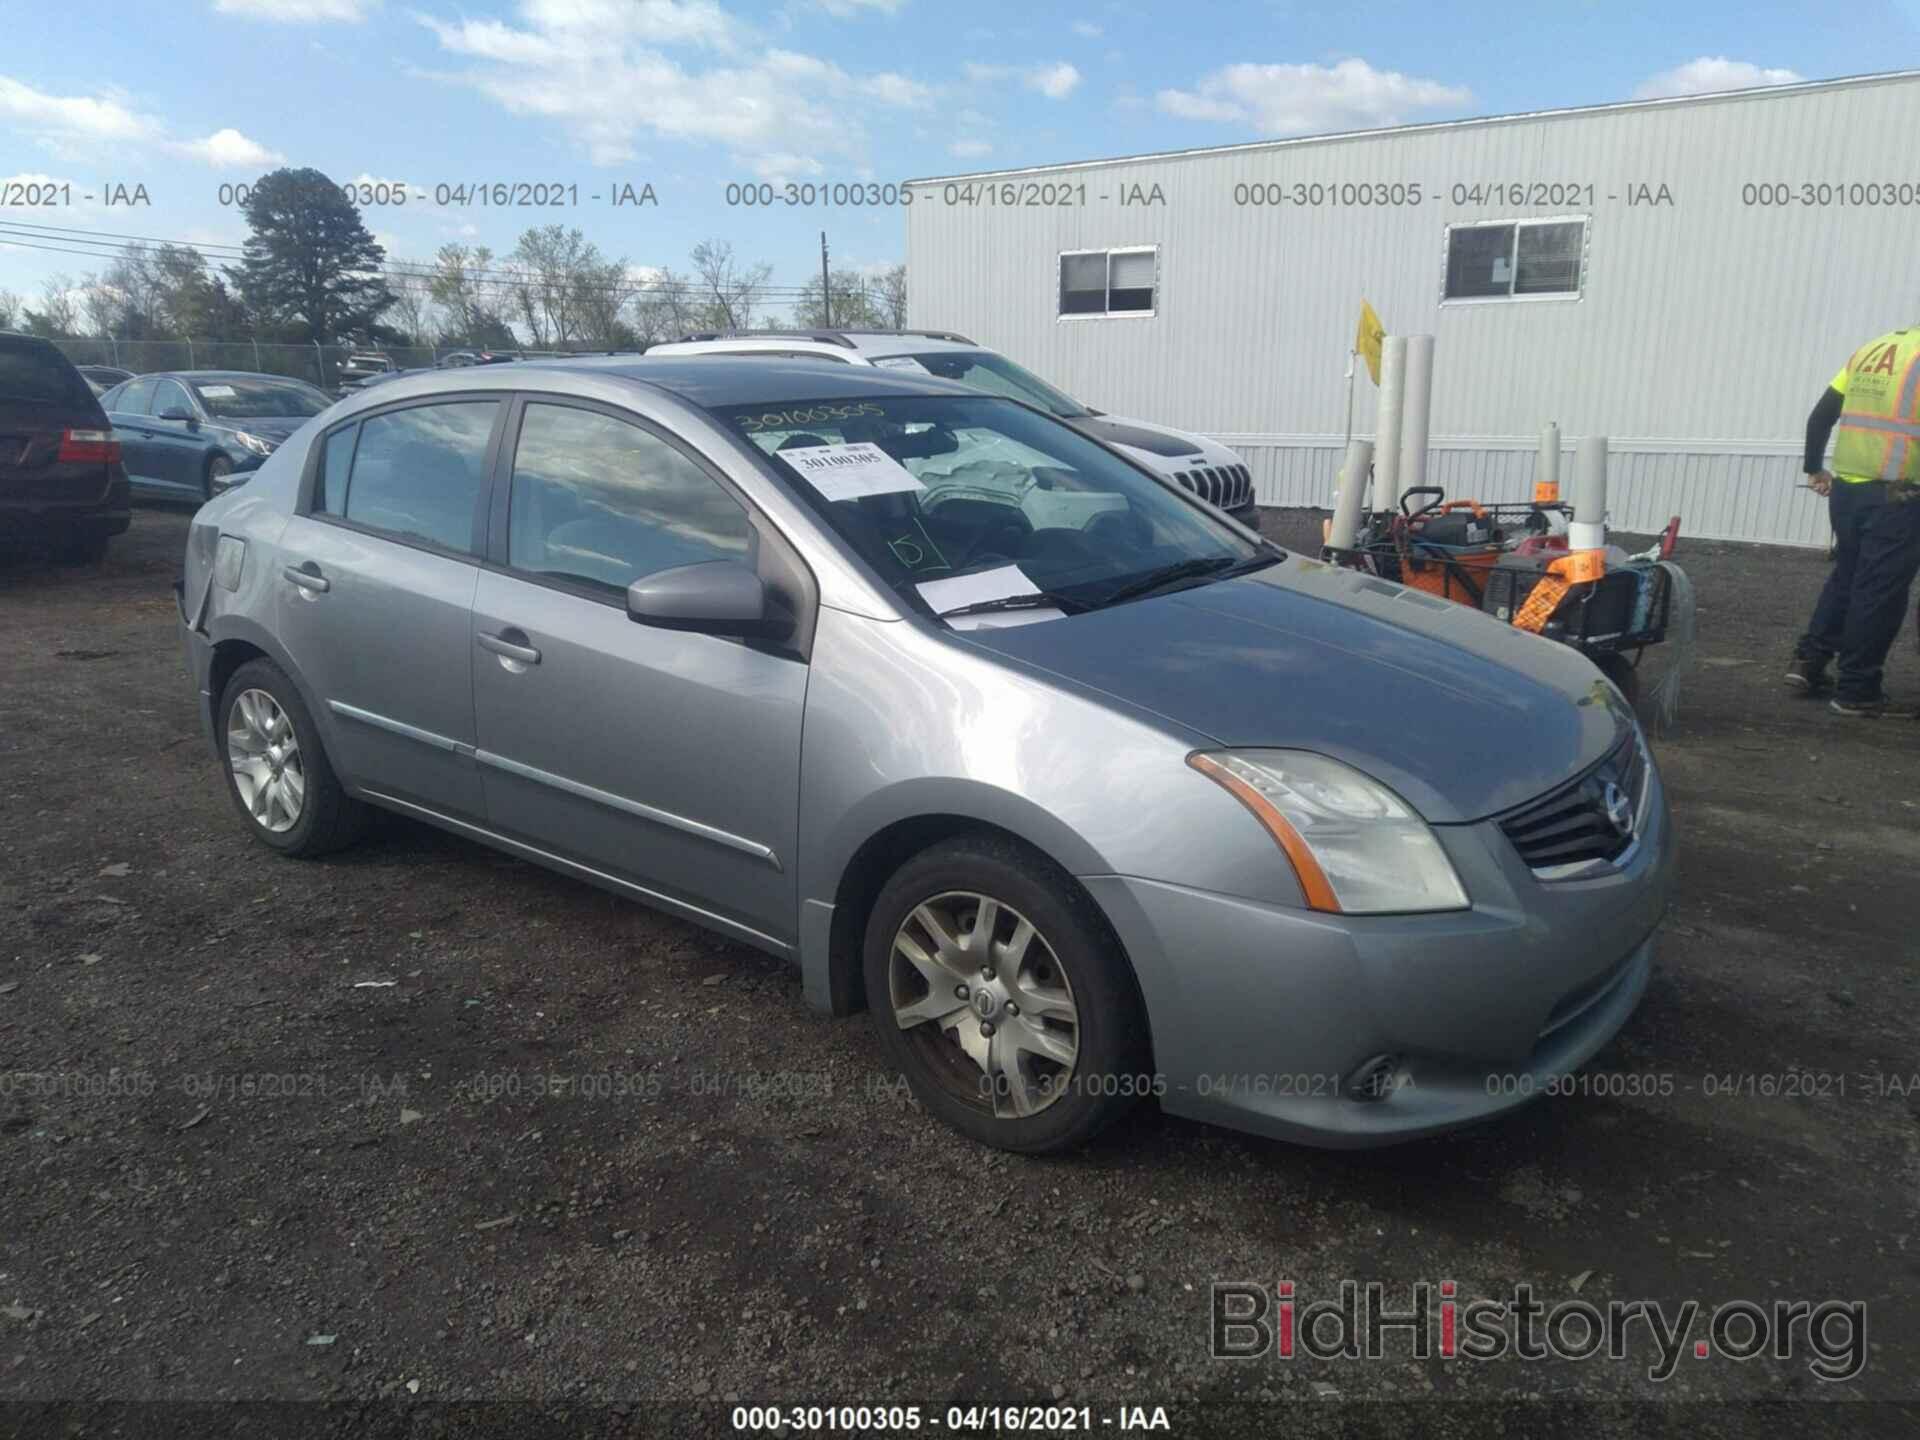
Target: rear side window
[[602, 502], [136, 398], [419, 473], [38, 372]]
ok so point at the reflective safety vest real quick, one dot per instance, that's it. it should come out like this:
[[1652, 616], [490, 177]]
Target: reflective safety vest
[[1879, 435]]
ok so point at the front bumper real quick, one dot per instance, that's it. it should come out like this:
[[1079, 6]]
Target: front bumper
[[1263, 1015]]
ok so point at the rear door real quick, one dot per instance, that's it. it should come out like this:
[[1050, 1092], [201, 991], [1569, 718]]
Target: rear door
[[667, 758], [376, 595], [132, 422]]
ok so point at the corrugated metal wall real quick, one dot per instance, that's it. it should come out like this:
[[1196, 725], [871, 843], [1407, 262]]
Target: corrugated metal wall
[[1705, 331]]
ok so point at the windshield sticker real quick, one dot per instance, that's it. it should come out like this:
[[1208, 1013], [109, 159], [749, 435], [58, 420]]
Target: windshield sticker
[[900, 362], [217, 392], [999, 583], [805, 415], [850, 472]]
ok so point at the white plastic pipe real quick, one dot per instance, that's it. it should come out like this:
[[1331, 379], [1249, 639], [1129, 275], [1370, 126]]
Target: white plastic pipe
[[1589, 528], [1351, 495], [1546, 470], [1386, 426], [1416, 408]]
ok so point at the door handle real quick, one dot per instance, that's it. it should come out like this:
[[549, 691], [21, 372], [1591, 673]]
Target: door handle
[[308, 577], [510, 644]]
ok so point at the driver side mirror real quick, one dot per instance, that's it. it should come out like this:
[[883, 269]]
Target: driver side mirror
[[715, 597], [178, 412]]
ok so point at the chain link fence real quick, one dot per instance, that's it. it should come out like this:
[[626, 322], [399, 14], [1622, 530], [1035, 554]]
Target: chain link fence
[[316, 364]]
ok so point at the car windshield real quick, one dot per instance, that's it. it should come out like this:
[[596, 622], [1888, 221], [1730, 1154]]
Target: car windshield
[[238, 397], [940, 488], [994, 373]]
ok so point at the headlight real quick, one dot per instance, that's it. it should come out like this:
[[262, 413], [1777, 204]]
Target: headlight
[[259, 445], [1356, 846]]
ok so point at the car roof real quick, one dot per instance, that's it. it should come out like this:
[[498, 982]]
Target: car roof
[[713, 381], [867, 343]]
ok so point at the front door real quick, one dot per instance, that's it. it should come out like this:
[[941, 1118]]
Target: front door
[[376, 598], [665, 758], [176, 448]]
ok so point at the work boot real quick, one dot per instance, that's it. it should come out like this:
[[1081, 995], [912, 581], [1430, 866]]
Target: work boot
[[1809, 677]]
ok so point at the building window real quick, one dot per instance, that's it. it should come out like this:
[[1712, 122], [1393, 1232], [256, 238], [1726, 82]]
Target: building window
[[1516, 260], [1109, 282]]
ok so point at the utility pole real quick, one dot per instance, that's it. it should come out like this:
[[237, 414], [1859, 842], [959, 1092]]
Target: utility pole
[[826, 285]]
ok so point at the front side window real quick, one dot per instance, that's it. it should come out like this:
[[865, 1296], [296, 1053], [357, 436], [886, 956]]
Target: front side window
[[601, 502], [1109, 282], [929, 488], [1514, 259], [170, 395], [420, 473]]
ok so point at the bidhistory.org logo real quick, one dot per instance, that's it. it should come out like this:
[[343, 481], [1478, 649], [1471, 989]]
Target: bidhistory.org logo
[[1251, 1320]]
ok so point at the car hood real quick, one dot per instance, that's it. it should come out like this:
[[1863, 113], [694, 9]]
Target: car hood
[[1166, 451], [1461, 714]]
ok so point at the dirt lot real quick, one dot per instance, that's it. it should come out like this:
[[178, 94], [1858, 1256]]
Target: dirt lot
[[424, 1123]]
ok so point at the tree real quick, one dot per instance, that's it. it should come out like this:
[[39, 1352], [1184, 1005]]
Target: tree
[[853, 304], [553, 268], [311, 264], [412, 311], [727, 289], [10, 308], [663, 307], [59, 313], [459, 287], [892, 299]]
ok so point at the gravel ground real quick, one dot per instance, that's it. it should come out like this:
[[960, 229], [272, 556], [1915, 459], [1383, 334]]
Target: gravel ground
[[423, 1123]]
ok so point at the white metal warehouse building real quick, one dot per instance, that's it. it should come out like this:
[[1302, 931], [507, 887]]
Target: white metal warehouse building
[[1684, 276]]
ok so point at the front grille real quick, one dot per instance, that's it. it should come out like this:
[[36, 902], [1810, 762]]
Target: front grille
[[1570, 826]]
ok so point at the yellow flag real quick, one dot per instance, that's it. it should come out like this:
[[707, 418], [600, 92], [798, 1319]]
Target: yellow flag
[[1367, 341]]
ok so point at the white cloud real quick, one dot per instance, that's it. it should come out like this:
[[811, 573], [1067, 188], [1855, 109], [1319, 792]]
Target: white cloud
[[69, 120], [230, 150], [1304, 99], [1710, 73], [599, 69], [969, 149], [843, 8], [1087, 29], [1056, 82], [298, 12]]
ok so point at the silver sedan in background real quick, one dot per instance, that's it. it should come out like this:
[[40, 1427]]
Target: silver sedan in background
[[1083, 790]]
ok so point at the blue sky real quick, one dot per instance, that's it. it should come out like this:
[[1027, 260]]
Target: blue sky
[[689, 95]]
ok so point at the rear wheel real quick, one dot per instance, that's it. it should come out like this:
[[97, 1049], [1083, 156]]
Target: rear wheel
[[277, 772], [1000, 992]]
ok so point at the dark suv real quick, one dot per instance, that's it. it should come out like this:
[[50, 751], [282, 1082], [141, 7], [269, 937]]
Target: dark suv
[[61, 480]]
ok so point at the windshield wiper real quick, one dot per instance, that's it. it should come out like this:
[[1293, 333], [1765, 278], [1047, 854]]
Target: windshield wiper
[[1217, 566], [1010, 602]]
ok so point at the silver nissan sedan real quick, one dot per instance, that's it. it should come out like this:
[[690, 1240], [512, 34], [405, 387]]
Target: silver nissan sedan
[[1083, 790]]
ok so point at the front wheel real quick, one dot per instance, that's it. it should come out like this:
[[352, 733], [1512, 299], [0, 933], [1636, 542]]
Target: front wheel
[[219, 477], [1000, 992]]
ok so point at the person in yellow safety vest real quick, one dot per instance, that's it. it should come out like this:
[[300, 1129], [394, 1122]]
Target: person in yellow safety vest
[[1873, 500]]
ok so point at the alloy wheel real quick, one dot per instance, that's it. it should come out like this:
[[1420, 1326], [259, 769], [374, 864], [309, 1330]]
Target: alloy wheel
[[264, 754], [987, 1001]]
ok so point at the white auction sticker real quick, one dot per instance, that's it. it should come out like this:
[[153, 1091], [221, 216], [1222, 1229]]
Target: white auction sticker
[[217, 392], [850, 472]]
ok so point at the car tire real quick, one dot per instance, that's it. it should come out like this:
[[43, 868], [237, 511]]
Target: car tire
[[215, 482], [1007, 1087], [290, 798], [84, 550]]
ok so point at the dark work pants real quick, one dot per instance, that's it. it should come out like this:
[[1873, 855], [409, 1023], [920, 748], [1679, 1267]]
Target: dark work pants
[[1876, 555]]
